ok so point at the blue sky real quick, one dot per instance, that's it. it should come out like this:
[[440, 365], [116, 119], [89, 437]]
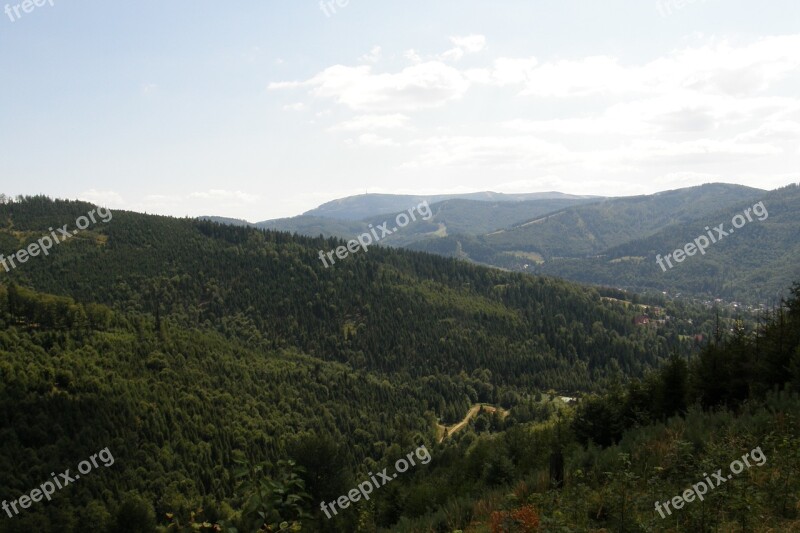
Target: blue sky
[[263, 109]]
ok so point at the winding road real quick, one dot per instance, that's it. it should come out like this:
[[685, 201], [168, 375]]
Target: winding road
[[473, 411]]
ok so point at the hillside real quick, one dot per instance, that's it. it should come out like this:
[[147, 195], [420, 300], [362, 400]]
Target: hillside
[[705, 446], [183, 345], [587, 230], [204, 271], [590, 229], [756, 264]]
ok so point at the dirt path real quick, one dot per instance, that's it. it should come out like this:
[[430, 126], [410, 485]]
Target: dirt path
[[473, 412]]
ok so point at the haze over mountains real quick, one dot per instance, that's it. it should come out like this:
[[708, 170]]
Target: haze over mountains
[[608, 241]]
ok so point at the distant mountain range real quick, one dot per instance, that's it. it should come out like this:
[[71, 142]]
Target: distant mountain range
[[369, 205], [607, 241]]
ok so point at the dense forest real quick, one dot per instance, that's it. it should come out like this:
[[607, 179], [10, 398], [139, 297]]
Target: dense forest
[[604, 465], [230, 374]]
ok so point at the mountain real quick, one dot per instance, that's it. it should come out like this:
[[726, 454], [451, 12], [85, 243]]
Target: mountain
[[755, 264], [614, 242], [449, 216], [603, 241], [189, 348], [590, 229], [369, 205], [585, 230]]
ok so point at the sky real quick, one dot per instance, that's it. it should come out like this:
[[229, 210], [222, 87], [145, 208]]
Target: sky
[[265, 109]]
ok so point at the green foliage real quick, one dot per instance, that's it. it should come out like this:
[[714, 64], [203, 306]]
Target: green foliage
[[275, 503], [134, 515], [182, 345]]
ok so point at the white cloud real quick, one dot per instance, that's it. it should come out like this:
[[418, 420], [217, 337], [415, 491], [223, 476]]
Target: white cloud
[[470, 44], [496, 151], [680, 111], [643, 150], [463, 46], [678, 119], [426, 85], [529, 152], [412, 56], [370, 139], [583, 77], [774, 131], [222, 195], [686, 179], [373, 56], [713, 68], [509, 71], [599, 125], [299, 106], [374, 122]]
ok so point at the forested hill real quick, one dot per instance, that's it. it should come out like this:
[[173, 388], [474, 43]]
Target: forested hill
[[180, 344], [385, 310], [757, 264]]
